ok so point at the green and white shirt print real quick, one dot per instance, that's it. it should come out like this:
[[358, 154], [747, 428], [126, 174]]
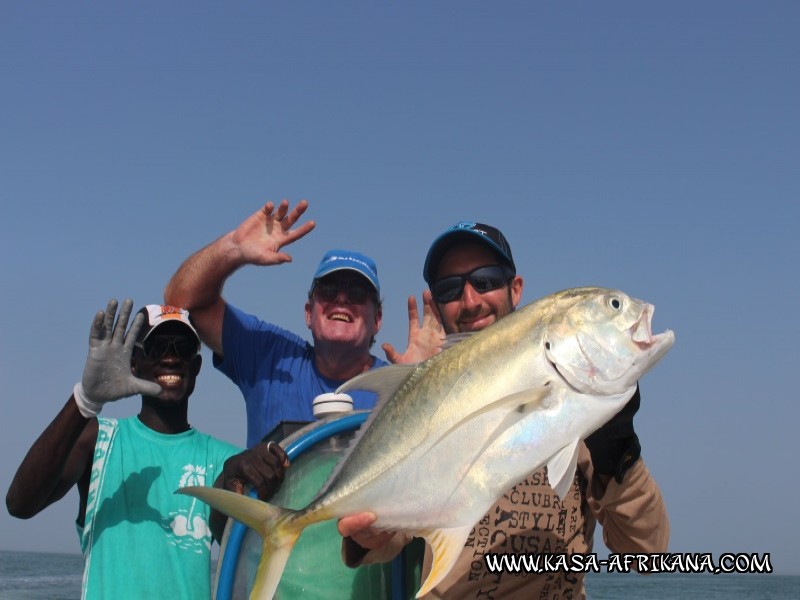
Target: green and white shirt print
[[140, 539]]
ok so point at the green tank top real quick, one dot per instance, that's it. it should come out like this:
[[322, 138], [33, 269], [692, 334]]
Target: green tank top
[[140, 539]]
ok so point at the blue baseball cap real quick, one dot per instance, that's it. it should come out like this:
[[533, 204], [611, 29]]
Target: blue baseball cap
[[347, 260], [466, 231]]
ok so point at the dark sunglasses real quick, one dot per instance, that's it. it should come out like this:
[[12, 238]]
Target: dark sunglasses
[[158, 346], [483, 279], [356, 292]]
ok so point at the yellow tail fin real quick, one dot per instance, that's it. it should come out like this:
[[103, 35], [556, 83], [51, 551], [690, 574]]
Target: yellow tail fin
[[273, 523]]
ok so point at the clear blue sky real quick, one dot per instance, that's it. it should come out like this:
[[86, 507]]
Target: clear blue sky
[[647, 147]]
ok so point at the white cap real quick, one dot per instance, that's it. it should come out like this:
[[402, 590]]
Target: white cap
[[331, 403], [158, 314]]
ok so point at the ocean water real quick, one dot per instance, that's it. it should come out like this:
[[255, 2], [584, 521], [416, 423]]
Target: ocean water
[[42, 576], [700, 586]]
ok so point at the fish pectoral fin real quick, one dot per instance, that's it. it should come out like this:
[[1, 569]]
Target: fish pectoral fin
[[250, 511], [446, 545], [561, 468], [523, 401], [384, 381]]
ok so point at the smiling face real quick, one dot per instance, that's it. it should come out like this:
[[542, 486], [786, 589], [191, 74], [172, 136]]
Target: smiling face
[[474, 311], [343, 309], [170, 358]]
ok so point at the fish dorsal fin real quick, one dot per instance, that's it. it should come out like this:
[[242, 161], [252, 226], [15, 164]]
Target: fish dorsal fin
[[384, 381], [446, 545], [561, 468]]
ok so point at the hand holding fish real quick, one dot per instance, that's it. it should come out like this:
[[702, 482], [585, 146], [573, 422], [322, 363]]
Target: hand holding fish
[[359, 537], [424, 340], [261, 236]]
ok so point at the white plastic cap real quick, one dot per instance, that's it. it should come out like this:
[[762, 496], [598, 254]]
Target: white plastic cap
[[332, 403]]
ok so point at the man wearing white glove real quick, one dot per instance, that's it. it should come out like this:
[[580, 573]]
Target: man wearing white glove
[[139, 538]]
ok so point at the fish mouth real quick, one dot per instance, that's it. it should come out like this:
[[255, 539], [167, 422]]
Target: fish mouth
[[642, 330]]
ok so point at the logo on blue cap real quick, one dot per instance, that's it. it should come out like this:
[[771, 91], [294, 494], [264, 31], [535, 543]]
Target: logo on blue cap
[[347, 260], [464, 225]]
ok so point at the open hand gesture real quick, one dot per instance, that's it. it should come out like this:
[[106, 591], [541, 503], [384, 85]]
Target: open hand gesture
[[261, 237], [424, 341], [107, 375]]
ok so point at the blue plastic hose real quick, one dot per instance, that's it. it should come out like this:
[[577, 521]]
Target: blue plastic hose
[[230, 560]]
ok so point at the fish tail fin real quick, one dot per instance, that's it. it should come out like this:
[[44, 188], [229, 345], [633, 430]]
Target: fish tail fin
[[446, 545], [275, 525], [277, 546]]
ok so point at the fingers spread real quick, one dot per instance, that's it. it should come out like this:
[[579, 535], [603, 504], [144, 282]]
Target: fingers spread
[[108, 320], [122, 321], [391, 353], [96, 332], [413, 313]]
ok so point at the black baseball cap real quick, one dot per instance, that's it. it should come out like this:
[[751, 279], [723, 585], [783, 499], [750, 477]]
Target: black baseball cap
[[466, 231]]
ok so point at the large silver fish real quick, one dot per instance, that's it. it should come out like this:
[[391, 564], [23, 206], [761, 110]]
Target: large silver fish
[[449, 436]]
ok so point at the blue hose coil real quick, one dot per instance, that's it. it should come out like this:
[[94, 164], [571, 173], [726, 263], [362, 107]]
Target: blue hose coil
[[230, 561]]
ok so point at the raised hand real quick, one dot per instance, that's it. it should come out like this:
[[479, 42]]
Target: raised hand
[[107, 375], [425, 340], [261, 237]]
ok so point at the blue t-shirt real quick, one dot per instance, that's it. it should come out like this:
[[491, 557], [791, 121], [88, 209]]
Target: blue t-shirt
[[276, 373]]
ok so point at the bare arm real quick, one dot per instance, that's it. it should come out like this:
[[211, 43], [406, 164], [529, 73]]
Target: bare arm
[[60, 458], [197, 284]]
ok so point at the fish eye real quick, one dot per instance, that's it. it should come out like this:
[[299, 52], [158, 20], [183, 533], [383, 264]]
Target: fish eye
[[615, 303]]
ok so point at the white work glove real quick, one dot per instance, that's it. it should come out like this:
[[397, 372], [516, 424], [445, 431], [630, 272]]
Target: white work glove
[[107, 375]]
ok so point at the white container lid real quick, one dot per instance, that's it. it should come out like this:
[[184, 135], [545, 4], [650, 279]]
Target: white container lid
[[331, 403]]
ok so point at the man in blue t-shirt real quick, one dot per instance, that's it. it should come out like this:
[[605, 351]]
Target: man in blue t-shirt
[[277, 371], [139, 538]]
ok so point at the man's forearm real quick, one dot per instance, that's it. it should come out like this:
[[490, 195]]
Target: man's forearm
[[51, 466], [632, 513], [198, 282]]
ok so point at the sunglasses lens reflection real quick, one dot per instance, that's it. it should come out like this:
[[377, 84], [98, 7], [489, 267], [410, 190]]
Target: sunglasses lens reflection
[[483, 279], [180, 346]]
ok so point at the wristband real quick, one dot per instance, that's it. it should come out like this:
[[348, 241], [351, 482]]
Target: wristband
[[88, 408]]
